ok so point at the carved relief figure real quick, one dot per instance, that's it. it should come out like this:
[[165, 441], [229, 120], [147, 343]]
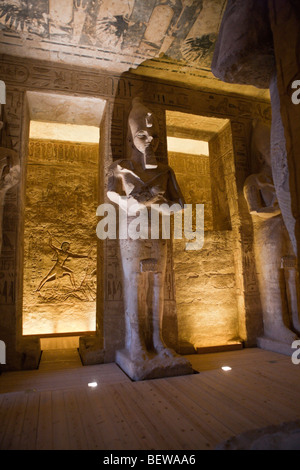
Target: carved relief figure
[[272, 247], [141, 180], [59, 269]]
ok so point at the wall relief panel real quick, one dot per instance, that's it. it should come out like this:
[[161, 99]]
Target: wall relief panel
[[60, 244]]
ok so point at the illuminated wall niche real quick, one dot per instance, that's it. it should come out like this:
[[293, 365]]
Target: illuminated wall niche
[[199, 148], [60, 243]]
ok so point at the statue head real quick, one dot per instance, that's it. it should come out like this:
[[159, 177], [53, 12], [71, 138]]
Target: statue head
[[143, 132]]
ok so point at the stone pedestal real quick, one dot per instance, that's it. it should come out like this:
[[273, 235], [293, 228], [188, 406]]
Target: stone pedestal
[[153, 367], [22, 353], [90, 350], [274, 345], [31, 352]]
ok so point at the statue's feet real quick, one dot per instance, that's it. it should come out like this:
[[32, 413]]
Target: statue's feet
[[139, 354], [296, 325], [283, 334], [162, 350], [167, 352]]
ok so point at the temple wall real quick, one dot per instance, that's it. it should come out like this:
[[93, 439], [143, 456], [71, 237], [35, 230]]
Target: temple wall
[[21, 76], [194, 179], [60, 208], [206, 297]]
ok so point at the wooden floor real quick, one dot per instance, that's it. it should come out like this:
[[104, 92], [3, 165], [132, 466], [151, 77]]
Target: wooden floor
[[54, 408]]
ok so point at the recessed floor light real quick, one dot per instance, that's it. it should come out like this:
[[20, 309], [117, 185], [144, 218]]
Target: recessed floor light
[[92, 384], [226, 368]]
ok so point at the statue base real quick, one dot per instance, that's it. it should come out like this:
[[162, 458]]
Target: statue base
[[274, 346], [154, 366]]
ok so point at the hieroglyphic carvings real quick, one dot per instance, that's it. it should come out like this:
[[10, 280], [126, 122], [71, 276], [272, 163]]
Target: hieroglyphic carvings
[[13, 116], [39, 75], [167, 95], [118, 129], [58, 152], [169, 279], [9, 249], [14, 72], [119, 87], [240, 132], [229, 106], [220, 149], [113, 284], [11, 139], [248, 267]]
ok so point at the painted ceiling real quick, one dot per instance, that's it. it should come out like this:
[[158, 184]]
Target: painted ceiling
[[113, 34]]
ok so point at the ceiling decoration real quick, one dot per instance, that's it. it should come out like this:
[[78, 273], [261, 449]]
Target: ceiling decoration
[[112, 34]]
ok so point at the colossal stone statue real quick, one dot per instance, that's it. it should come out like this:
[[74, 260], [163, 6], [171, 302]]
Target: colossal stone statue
[[275, 259], [9, 177], [244, 53], [135, 184]]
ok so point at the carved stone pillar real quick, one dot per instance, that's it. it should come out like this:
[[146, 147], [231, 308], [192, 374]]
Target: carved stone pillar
[[250, 50], [285, 24], [245, 54]]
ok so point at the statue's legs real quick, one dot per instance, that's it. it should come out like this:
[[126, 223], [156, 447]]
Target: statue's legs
[[293, 292], [157, 311], [134, 297], [289, 267], [280, 167], [144, 261], [270, 243], [145, 355], [160, 250]]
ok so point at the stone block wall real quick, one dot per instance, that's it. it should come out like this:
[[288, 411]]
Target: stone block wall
[[206, 297], [194, 179]]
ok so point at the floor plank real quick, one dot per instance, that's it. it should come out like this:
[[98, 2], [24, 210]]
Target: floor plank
[[60, 434], [139, 427], [13, 430], [54, 408], [159, 429], [206, 422], [44, 439], [30, 424], [223, 408]]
